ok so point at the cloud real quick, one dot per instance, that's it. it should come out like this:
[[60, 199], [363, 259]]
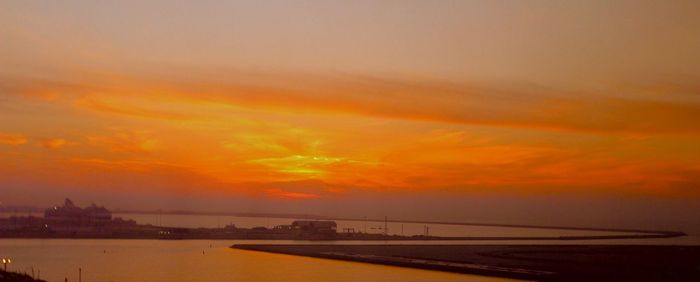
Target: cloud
[[140, 176], [53, 143], [126, 141], [356, 133], [12, 139], [642, 108], [279, 193], [272, 140], [101, 105], [307, 166]]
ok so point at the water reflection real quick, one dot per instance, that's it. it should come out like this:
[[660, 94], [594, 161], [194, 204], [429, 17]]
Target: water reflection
[[193, 260]]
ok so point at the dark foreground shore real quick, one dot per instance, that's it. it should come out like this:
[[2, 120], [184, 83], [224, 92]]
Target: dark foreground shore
[[16, 277], [529, 262]]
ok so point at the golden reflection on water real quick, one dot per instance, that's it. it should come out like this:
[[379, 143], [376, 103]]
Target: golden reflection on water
[[193, 260]]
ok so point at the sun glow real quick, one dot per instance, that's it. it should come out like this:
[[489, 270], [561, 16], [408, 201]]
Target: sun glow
[[293, 109]]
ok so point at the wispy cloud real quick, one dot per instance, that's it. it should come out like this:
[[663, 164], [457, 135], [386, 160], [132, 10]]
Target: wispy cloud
[[508, 104], [279, 193], [126, 141], [12, 139], [242, 133], [101, 105], [53, 143]]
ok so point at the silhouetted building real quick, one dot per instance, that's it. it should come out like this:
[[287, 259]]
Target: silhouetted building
[[315, 226], [70, 211], [283, 227]]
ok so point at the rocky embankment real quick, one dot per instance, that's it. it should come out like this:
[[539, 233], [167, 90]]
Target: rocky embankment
[[528, 262], [16, 277]]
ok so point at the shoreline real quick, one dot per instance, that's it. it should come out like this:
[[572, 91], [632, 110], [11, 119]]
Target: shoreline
[[13, 276]]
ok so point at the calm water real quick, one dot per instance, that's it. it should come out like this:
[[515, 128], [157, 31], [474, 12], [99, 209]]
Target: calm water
[[193, 260]]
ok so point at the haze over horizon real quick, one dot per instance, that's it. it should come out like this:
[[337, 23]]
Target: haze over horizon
[[533, 112]]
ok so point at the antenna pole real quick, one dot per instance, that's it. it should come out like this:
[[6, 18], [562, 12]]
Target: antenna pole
[[386, 225]]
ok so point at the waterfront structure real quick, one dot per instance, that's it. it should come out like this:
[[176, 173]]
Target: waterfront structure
[[315, 226], [283, 227], [69, 211]]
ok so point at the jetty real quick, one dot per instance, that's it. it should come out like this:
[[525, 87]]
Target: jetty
[[528, 262]]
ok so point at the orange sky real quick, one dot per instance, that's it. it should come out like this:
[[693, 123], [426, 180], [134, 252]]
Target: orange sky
[[347, 132], [315, 100]]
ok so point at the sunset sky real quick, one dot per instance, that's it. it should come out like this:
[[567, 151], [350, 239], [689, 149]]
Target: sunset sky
[[298, 104]]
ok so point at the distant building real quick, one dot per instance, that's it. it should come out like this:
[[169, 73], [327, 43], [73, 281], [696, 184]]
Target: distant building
[[70, 211], [283, 227], [315, 226]]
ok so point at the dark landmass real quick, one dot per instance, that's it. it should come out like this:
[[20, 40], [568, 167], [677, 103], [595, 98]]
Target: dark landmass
[[71, 221], [16, 277], [529, 262], [529, 226], [27, 209], [88, 228], [462, 223], [238, 214], [19, 209]]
